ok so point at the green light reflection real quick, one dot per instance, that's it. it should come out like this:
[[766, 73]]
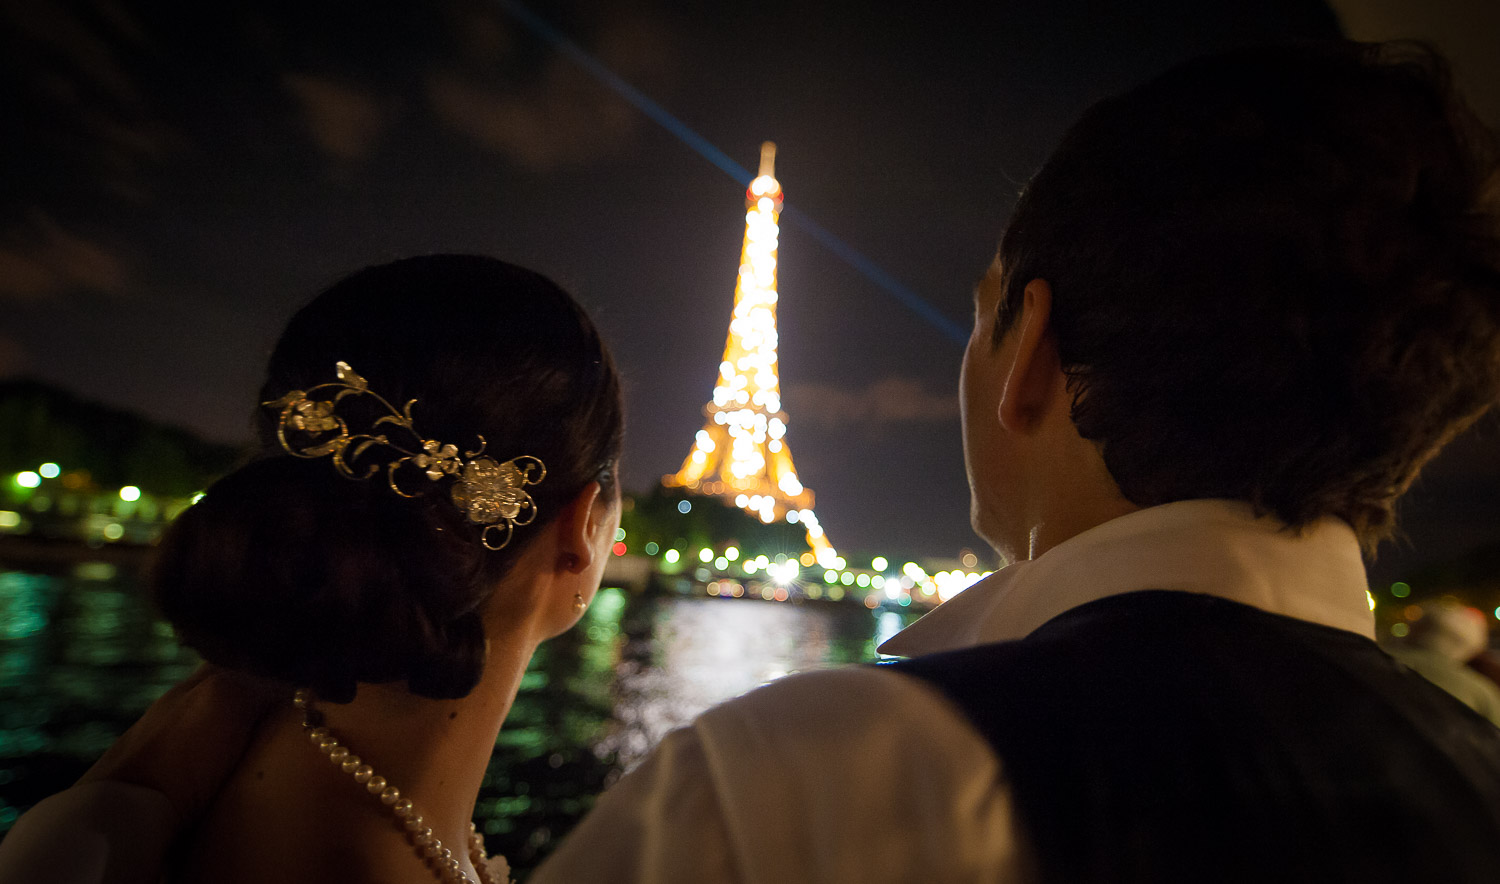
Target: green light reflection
[[81, 656]]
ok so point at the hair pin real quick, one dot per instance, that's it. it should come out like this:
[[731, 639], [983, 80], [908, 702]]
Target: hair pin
[[489, 492]]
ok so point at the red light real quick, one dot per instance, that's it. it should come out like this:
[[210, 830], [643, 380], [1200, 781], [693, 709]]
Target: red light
[[619, 548]]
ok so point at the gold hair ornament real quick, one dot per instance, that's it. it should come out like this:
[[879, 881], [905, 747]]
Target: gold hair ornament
[[490, 493]]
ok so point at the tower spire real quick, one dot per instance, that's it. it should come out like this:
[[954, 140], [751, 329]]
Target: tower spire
[[767, 160], [741, 453]]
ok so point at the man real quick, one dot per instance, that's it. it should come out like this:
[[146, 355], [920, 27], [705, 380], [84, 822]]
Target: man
[[1231, 318]]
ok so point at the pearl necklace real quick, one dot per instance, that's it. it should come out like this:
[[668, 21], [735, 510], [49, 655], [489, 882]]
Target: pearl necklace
[[439, 859]]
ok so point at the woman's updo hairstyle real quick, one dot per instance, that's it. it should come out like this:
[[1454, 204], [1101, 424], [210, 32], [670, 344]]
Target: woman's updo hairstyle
[[288, 570]]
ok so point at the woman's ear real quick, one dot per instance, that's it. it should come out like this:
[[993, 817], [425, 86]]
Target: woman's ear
[[578, 529]]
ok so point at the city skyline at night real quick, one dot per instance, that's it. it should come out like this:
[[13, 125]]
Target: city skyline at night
[[191, 176]]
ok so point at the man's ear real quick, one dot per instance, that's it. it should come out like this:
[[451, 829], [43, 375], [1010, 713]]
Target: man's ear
[[1035, 368], [578, 526]]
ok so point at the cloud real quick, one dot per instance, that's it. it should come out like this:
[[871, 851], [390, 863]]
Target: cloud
[[566, 121], [41, 260], [85, 51], [893, 400], [12, 357], [564, 117], [344, 122], [75, 93]]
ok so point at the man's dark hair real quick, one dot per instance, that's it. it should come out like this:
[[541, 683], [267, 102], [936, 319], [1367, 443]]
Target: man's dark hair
[[1275, 275]]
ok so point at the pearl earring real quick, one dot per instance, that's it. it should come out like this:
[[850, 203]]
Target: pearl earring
[[579, 605]]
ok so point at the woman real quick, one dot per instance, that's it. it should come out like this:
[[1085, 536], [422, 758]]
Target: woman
[[434, 494]]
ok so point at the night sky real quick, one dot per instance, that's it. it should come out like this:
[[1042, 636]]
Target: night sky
[[179, 177]]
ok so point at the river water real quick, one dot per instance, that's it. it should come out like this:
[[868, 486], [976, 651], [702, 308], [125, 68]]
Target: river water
[[81, 655]]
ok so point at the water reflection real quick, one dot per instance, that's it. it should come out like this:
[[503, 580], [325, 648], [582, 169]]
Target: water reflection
[[683, 655], [887, 624], [79, 660], [81, 657]]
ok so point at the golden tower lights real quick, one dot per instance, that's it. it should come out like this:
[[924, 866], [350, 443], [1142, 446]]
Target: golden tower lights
[[741, 453]]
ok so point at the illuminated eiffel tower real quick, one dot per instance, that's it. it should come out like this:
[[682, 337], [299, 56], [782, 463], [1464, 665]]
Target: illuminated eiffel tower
[[741, 453]]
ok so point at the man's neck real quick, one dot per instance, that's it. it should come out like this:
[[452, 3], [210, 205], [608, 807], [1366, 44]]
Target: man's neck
[[1068, 517]]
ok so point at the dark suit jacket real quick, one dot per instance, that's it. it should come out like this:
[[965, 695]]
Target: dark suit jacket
[[1167, 736]]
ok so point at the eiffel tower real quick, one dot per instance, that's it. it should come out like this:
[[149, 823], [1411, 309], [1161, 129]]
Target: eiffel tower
[[741, 453]]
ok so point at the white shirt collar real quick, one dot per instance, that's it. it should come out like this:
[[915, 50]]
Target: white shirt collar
[[1214, 547]]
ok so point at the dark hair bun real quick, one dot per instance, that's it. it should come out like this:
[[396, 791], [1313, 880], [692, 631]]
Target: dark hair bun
[[290, 571]]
